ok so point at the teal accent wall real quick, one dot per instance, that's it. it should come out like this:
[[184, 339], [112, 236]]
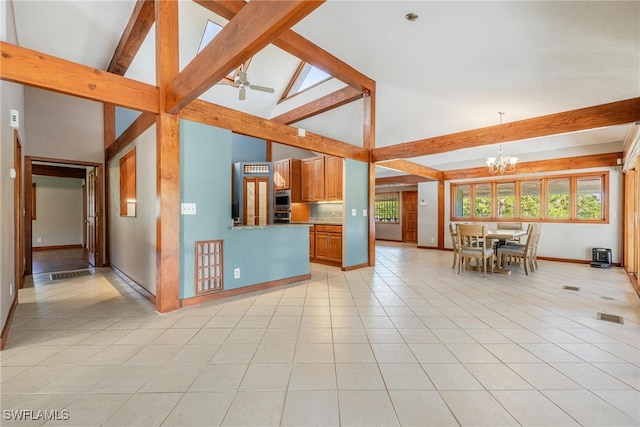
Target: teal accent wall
[[356, 228], [248, 149], [263, 254]]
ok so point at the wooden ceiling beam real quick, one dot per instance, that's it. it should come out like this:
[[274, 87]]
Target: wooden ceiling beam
[[611, 114], [319, 106], [31, 68], [253, 28], [401, 180], [139, 125], [301, 48], [413, 169], [551, 165], [140, 22], [247, 124]]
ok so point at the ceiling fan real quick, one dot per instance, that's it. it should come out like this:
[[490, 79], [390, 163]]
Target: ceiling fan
[[242, 83]]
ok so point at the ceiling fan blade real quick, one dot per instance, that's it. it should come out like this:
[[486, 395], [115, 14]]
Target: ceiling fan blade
[[262, 88], [242, 94]]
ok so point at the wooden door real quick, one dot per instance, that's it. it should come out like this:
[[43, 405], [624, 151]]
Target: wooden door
[[410, 216], [91, 220], [256, 201], [335, 247]]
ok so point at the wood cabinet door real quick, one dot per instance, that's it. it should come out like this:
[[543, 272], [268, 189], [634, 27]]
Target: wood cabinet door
[[333, 178], [282, 174], [322, 245], [256, 201], [334, 247], [306, 180], [312, 244], [317, 178]]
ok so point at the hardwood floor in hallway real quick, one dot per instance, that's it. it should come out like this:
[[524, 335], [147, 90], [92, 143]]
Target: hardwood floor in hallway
[[47, 261]]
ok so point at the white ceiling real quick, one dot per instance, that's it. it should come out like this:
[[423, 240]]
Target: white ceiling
[[452, 70]]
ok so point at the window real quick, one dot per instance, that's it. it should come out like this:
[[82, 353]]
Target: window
[[558, 198], [589, 198], [128, 184], [211, 30], [530, 200], [506, 201], [566, 198], [305, 77], [386, 208]]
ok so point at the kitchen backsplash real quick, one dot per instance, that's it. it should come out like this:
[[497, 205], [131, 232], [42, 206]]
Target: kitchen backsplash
[[326, 211]]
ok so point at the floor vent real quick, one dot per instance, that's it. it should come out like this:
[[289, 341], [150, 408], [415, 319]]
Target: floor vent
[[610, 318], [70, 274], [607, 298], [571, 288]]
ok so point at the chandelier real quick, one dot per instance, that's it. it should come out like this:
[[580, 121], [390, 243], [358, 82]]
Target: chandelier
[[501, 164]]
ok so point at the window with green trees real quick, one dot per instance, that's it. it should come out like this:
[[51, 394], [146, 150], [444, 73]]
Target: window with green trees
[[566, 198], [387, 208]]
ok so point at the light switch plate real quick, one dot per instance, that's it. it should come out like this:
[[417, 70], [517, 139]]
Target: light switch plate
[[354, 212], [364, 212], [188, 208]]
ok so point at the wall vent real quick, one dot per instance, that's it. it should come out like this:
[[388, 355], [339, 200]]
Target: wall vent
[[571, 288], [208, 274]]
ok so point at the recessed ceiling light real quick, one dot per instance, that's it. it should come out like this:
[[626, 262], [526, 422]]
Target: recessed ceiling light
[[411, 16]]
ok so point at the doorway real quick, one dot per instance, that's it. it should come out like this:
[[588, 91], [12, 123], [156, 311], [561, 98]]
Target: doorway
[[57, 254], [410, 216]]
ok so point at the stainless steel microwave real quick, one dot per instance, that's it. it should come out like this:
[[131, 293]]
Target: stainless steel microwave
[[282, 201]]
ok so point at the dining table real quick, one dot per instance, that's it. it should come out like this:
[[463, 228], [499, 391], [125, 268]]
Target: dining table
[[502, 235]]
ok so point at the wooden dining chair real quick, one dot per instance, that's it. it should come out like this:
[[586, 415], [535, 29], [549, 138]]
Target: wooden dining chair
[[510, 226], [472, 240], [455, 243], [522, 252]]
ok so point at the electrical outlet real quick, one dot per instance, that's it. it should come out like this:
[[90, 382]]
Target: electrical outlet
[[39, 240], [433, 240], [236, 273]]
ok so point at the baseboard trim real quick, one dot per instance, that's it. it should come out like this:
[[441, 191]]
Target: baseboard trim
[[5, 330], [239, 291], [50, 248], [136, 287], [355, 267]]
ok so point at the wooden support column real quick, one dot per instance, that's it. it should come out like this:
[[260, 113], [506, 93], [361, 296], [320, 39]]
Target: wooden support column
[[167, 163], [441, 214], [369, 142]]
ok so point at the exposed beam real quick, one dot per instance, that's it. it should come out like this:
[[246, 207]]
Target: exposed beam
[[140, 22], [614, 113], [253, 28], [301, 48], [59, 171], [333, 100], [401, 180], [246, 124], [31, 68], [553, 165], [413, 169], [142, 123]]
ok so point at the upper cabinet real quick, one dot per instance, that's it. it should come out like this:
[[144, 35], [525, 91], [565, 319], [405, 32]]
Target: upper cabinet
[[322, 178], [286, 176]]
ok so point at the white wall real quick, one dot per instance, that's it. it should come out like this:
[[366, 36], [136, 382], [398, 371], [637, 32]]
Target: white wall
[[133, 239], [574, 241], [58, 211], [12, 99], [64, 127], [428, 214]]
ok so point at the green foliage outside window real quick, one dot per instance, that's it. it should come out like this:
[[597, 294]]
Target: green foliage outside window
[[387, 208], [530, 206], [589, 206]]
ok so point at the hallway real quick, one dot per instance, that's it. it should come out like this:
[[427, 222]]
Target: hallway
[[409, 342], [51, 260]]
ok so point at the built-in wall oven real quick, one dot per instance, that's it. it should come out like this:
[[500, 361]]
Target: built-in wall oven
[[282, 207], [283, 201]]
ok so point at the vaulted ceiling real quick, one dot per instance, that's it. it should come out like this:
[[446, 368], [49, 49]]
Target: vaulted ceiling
[[451, 70]]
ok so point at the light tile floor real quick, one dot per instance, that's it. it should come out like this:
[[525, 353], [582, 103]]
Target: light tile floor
[[409, 342]]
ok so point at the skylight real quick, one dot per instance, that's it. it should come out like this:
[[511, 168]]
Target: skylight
[[305, 77], [211, 30]]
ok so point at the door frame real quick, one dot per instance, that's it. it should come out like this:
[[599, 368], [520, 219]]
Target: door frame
[[18, 216], [28, 197]]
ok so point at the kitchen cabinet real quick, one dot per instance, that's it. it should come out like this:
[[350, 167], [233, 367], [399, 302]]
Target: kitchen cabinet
[[286, 176], [328, 243], [321, 178], [312, 243]]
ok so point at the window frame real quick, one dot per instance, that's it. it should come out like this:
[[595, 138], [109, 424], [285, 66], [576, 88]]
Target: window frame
[[573, 197], [286, 93], [397, 201]]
